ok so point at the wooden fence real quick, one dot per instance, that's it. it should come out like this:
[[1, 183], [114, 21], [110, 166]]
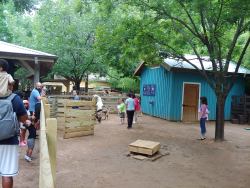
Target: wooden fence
[[108, 102], [48, 141], [240, 108], [79, 122]]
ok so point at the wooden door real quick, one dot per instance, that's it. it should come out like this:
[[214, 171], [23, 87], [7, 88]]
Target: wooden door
[[190, 102]]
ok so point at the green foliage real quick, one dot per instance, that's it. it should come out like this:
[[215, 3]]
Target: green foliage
[[138, 30], [21, 74], [58, 29], [21, 5], [125, 84], [5, 34], [130, 85]]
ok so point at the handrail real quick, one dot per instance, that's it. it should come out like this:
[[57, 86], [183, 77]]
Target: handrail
[[47, 158]]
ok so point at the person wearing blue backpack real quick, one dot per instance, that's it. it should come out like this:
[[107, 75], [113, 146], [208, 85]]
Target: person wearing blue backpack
[[12, 111]]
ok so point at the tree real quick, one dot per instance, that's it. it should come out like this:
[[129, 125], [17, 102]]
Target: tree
[[170, 28], [21, 74], [21, 5], [5, 34], [58, 29], [126, 84]]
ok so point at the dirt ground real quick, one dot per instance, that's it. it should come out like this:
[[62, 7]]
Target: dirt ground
[[98, 161]]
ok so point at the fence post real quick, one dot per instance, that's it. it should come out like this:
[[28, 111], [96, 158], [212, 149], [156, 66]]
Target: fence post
[[51, 132], [93, 104], [47, 111]]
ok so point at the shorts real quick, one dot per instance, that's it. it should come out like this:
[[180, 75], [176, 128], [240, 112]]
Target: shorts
[[31, 143], [122, 115], [9, 160], [21, 126]]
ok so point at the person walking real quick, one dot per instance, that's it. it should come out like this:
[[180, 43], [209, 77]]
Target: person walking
[[202, 117], [75, 98], [130, 109], [35, 101], [137, 107], [9, 147], [31, 139]]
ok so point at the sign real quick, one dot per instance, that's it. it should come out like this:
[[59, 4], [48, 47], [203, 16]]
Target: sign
[[149, 90], [152, 91]]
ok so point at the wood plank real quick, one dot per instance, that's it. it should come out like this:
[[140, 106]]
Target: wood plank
[[60, 119], [237, 102], [45, 174], [144, 147], [79, 129], [236, 112], [141, 150], [60, 128], [84, 133], [80, 124], [51, 133], [80, 113], [79, 103], [69, 120], [60, 110], [62, 100]]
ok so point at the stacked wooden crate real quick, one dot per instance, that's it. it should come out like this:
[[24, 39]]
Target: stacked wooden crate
[[240, 109]]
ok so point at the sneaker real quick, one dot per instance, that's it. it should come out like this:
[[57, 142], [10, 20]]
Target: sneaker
[[134, 122], [25, 142], [22, 144], [119, 124], [26, 156], [28, 159]]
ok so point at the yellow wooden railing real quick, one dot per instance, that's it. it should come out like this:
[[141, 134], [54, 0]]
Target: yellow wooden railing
[[48, 142]]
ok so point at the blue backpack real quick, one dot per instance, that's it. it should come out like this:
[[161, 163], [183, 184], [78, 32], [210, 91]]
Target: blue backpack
[[9, 125]]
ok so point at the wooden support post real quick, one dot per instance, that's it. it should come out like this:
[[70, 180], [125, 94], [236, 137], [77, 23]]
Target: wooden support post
[[45, 177], [37, 72], [93, 104], [51, 132], [47, 111]]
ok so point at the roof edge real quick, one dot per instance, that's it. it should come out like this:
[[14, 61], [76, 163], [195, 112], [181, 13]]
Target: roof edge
[[139, 68]]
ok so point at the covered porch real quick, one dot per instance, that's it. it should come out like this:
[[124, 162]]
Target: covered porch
[[38, 63]]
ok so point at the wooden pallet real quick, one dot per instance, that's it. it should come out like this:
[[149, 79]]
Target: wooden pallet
[[144, 147]]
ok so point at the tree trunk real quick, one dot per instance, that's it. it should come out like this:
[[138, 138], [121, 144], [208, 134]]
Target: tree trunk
[[77, 85], [220, 116], [87, 84]]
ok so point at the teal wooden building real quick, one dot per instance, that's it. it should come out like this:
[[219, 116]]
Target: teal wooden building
[[172, 90]]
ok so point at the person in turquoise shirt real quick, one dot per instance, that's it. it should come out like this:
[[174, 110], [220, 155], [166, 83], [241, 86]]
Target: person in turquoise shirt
[[130, 109]]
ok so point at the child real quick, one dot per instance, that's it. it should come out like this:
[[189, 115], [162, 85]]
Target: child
[[207, 112], [5, 79], [137, 107], [23, 128], [122, 117], [202, 117], [31, 139]]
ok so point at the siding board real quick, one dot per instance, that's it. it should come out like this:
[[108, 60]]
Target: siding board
[[169, 89]]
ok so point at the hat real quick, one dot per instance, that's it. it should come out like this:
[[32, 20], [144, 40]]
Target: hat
[[25, 102]]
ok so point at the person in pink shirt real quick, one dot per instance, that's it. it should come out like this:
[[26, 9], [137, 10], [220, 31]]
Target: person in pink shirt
[[137, 107], [202, 117]]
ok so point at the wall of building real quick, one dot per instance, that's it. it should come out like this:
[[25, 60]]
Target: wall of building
[[169, 91], [162, 99], [64, 88]]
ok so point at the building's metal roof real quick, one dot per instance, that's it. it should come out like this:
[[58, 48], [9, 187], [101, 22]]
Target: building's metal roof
[[174, 63], [178, 65], [8, 48]]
